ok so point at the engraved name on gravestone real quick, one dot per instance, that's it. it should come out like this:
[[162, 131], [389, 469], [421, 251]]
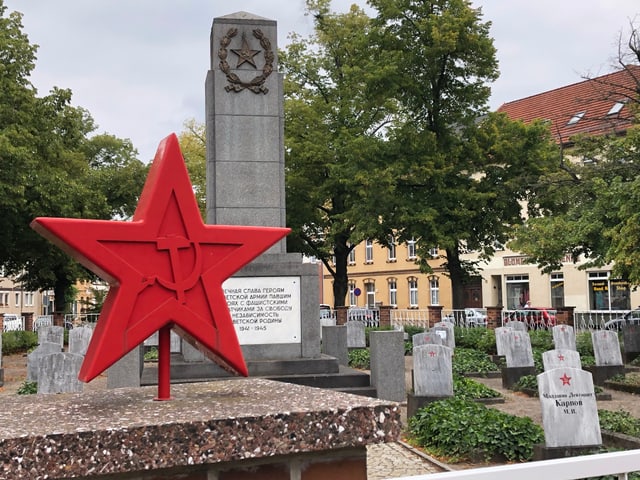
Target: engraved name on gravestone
[[265, 310], [569, 409], [516, 325], [561, 358], [426, 338], [501, 345], [445, 330], [606, 347], [432, 371], [518, 349], [355, 334], [564, 337], [58, 373]]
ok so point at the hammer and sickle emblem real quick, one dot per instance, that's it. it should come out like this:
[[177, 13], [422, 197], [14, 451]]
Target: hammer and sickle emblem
[[180, 285]]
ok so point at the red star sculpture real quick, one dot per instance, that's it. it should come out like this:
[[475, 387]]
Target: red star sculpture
[[165, 269]]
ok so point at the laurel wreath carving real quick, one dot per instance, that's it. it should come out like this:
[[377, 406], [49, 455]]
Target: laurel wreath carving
[[256, 84]]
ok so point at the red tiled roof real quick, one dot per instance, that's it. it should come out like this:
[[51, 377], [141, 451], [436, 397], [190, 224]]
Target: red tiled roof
[[595, 97]]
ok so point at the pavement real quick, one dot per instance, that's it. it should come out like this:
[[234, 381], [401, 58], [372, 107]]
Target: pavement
[[397, 459]]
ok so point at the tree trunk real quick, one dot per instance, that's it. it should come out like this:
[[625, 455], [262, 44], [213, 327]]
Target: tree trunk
[[457, 276], [341, 278], [60, 289]]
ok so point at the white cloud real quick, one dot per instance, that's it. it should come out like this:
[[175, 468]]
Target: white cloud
[[139, 67]]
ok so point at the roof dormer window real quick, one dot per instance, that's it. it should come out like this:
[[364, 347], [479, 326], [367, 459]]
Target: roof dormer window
[[616, 108], [576, 118]]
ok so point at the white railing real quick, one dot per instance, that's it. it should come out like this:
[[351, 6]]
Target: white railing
[[80, 318], [409, 317], [586, 466], [594, 319], [42, 321], [535, 319], [13, 324]]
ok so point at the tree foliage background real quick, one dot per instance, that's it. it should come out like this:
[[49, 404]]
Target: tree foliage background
[[52, 163]]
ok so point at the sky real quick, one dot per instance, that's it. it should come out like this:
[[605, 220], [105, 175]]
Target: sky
[[139, 66]]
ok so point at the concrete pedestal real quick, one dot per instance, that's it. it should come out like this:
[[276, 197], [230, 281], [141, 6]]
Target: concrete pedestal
[[415, 403], [511, 375], [241, 428], [542, 452], [602, 373]]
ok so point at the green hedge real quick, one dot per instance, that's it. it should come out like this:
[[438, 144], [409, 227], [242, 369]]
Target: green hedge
[[18, 341]]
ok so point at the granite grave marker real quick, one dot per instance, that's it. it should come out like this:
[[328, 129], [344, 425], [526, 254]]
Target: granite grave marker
[[564, 337], [561, 358]]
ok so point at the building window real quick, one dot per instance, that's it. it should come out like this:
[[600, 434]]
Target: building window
[[28, 299], [353, 300], [4, 299], [393, 292], [608, 294], [517, 291], [370, 288], [17, 299], [368, 251], [411, 249], [557, 290], [352, 257], [391, 249], [413, 292], [616, 108], [434, 290], [576, 118], [433, 252]]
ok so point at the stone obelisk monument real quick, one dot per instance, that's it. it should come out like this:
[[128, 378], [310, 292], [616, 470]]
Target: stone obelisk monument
[[274, 300]]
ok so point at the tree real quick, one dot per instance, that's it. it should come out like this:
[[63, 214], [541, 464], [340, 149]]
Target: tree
[[459, 174], [589, 211], [51, 166], [336, 109], [193, 146]]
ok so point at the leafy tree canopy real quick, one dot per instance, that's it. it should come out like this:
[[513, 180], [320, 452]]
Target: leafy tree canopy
[[52, 164]]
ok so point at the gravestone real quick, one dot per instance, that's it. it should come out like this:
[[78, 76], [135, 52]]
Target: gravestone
[[606, 349], [334, 343], [445, 330], [355, 334], [519, 357], [35, 357], [432, 376], [426, 338], [516, 325], [58, 373], [561, 358], [500, 333], [569, 412], [631, 341], [564, 337], [79, 339], [52, 334], [387, 364]]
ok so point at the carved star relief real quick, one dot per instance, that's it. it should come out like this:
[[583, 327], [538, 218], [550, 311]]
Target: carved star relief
[[165, 268], [245, 54]]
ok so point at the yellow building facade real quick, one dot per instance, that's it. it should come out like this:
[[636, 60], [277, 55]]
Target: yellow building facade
[[389, 275]]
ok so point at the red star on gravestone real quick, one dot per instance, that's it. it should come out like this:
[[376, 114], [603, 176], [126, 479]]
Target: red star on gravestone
[[561, 357], [566, 380], [165, 269], [432, 353]]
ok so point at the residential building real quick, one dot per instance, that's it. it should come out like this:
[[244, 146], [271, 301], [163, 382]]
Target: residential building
[[389, 275], [597, 106], [15, 299]]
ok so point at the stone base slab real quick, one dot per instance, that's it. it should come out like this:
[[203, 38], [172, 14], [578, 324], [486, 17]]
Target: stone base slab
[[511, 375], [254, 425], [542, 452], [415, 403]]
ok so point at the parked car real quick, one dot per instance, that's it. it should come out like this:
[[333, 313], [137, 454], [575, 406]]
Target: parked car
[[629, 318], [535, 317], [469, 317]]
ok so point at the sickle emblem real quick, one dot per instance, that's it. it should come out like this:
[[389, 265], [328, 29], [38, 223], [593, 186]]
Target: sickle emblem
[[180, 285]]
